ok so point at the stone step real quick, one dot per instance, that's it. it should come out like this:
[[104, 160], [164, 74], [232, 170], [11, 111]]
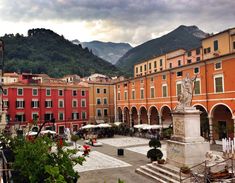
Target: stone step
[[164, 171], [168, 167], [146, 174], [159, 175]]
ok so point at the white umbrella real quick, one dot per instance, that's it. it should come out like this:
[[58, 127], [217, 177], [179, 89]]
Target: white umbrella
[[152, 127], [166, 125], [48, 131], [31, 133], [141, 126], [117, 123], [104, 125], [88, 126]]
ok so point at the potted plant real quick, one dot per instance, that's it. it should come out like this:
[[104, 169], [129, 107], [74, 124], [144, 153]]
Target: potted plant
[[185, 169], [74, 139], [154, 154]]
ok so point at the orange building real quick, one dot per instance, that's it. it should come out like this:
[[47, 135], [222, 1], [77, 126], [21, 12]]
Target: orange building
[[150, 97], [101, 98]]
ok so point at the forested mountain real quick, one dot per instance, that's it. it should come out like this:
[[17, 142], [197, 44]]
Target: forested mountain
[[44, 51], [108, 51], [186, 37]]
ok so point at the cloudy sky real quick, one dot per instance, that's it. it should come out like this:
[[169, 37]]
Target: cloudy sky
[[132, 21]]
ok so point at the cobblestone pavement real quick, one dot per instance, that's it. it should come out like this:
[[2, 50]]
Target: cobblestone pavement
[[111, 175], [133, 155]]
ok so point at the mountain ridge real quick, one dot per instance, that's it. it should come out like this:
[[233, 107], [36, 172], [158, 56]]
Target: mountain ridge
[[108, 51], [44, 51], [186, 37]]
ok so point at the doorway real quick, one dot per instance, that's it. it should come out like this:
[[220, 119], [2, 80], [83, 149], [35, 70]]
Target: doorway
[[222, 129]]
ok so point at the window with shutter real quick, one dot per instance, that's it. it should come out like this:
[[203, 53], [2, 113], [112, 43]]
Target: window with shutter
[[197, 87], [77, 115]]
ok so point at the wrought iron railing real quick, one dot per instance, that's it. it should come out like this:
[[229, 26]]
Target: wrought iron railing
[[202, 172], [6, 170]]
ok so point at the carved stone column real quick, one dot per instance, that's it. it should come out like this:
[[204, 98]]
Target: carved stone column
[[234, 127], [130, 119], [123, 117], [149, 115], [138, 118], [160, 123], [210, 128]]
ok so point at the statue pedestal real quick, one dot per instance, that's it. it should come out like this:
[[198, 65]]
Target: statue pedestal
[[187, 147]]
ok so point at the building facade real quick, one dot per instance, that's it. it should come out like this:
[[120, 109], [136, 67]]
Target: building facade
[[152, 94], [61, 104], [101, 98]]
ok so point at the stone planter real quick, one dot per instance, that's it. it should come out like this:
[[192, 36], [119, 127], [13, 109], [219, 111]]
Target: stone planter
[[161, 161], [185, 170]]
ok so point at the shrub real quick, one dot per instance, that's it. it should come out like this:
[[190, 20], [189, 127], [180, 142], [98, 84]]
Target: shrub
[[155, 143], [154, 154], [74, 138]]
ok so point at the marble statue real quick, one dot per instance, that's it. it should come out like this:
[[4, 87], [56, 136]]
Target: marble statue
[[68, 134], [213, 158], [185, 97]]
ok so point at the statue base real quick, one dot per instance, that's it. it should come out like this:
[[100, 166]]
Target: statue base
[[186, 154], [186, 146]]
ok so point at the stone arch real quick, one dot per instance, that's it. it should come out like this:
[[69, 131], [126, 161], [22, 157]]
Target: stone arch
[[214, 106], [126, 116], [154, 115], [222, 121], [204, 121], [143, 115], [134, 116], [120, 114], [202, 106], [166, 115]]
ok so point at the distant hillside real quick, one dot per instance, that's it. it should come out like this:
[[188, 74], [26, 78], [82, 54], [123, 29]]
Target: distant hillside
[[108, 51], [186, 37], [44, 51]]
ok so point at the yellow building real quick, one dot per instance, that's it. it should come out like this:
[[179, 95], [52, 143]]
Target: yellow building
[[219, 44], [101, 99], [150, 66]]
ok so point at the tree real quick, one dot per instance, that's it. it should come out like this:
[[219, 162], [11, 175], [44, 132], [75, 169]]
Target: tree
[[35, 162]]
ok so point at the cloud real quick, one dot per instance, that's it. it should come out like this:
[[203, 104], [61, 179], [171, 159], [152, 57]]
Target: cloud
[[133, 21]]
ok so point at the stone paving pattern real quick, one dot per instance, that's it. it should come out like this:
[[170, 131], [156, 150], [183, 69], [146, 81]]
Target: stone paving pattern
[[144, 149], [124, 142], [111, 175], [134, 155], [97, 160]]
